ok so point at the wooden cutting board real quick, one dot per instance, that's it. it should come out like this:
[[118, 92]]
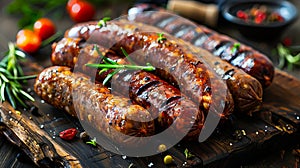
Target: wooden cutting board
[[234, 143]]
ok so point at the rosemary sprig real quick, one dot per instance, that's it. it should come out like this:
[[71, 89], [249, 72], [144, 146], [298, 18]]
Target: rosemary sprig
[[127, 56], [51, 39], [12, 78], [103, 21], [109, 64], [148, 66], [161, 38]]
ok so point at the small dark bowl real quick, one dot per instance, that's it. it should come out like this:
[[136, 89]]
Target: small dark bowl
[[261, 31]]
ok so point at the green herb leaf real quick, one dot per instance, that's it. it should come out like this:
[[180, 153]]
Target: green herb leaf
[[51, 39], [287, 58], [188, 154], [111, 64], [127, 56], [12, 78], [109, 76], [118, 66], [92, 142], [235, 48], [3, 85], [102, 22], [10, 97], [31, 10], [161, 38]]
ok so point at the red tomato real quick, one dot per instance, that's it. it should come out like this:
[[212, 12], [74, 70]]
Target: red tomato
[[28, 41], [70, 3], [44, 28], [82, 11]]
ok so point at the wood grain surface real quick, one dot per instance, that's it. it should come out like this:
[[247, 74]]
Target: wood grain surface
[[37, 135]]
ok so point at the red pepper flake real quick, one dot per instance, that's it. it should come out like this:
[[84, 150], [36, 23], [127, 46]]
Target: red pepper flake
[[242, 15], [68, 134], [260, 17]]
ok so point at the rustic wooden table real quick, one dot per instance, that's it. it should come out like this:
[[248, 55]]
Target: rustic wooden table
[[283, 156]]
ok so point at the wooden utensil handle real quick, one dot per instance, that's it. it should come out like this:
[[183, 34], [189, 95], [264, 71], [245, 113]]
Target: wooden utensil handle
[[205, 13]]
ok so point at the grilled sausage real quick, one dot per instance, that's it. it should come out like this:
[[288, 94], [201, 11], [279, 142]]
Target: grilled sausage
[[165, 102], [246, 90], [205, 81], [244, 57], [162, 99], [111, 115]]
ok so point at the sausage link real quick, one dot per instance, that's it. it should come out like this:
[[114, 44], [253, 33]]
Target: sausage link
[[165, 102], [109, 114], [73, 51], [196, 80], [63, 51], [246, 90], [246, 58]]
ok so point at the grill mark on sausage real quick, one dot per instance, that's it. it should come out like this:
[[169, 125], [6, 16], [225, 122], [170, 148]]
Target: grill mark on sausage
[[201, 38], [143, 89], [163, 22], [251, 91], [262, 69], [186, 66], [220, 49], [105, 112], [146, 86]]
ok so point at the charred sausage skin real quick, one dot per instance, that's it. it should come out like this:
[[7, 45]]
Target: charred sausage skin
[[115, 31], [244, 57], [246, 90], [180, 68], [165, 102], [107, 113]]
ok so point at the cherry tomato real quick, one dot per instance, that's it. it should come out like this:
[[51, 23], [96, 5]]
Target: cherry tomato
[[70, 3], [82, 11], [44, 28], [28, 40]]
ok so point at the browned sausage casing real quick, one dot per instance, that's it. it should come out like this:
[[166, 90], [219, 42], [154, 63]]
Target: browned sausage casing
[[246, 90], [94, 104], [199, 89], [246, 58], [163, 101]]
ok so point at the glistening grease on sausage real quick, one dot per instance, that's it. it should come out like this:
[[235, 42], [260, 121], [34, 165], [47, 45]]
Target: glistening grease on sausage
[[93, 103], [246, 90], [244, 57], [196, 80], [165, 102]]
